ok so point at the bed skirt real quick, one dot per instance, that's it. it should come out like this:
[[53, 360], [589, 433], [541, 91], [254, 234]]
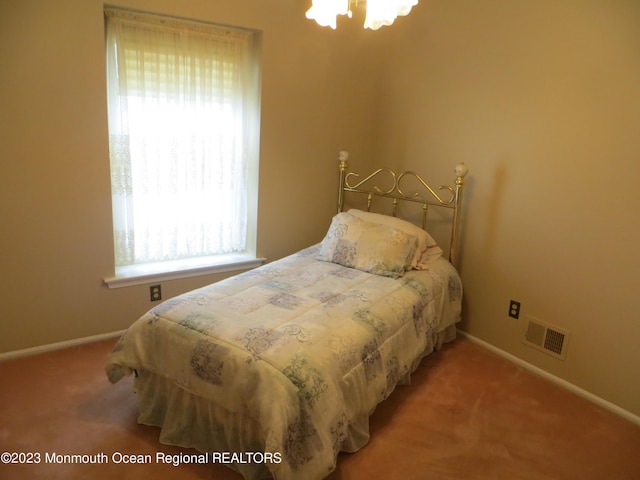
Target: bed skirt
[[190, 421]]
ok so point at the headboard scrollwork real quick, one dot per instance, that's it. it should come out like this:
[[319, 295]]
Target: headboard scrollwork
[[392, 187]]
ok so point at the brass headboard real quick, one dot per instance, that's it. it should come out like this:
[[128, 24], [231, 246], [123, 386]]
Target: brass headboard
[[350, 182]]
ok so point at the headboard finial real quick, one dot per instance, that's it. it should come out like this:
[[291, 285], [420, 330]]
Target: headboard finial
[[461, 170]]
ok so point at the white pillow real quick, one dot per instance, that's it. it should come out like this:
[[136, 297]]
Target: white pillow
[[427, 249], [370, 247]]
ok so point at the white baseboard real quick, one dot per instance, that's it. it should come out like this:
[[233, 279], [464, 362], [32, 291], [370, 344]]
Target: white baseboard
[[58, 345], [558, 381]]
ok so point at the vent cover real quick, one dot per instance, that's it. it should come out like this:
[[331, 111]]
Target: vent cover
[[546, 338]]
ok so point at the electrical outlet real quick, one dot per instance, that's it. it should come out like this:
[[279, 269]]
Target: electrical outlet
[[155, 293], [514, 309]]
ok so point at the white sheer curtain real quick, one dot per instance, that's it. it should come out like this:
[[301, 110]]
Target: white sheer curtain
[[178, 137]]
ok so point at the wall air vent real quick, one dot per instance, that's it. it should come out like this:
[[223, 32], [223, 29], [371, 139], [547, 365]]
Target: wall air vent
[[546, 338]]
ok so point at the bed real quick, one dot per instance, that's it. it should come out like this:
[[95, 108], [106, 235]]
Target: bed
[[276, 371]]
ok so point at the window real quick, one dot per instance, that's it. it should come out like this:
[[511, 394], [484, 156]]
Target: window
[[183, 105]]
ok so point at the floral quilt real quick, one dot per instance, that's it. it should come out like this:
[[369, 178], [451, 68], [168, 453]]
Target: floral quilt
[[302, 347]]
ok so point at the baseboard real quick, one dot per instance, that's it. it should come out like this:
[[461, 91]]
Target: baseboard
[[58, 345], [558, 381]]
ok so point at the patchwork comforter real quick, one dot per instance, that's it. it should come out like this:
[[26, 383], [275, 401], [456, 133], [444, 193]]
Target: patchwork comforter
[[300, 351]]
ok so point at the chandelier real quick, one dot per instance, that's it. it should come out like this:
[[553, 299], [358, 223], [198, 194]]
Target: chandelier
[[379, 12]]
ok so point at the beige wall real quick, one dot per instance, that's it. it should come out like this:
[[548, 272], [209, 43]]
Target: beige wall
[[542, 100], [55, 207], [539, 98]]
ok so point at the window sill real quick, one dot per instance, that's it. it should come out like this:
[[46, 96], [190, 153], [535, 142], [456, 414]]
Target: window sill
[[157, 272]]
